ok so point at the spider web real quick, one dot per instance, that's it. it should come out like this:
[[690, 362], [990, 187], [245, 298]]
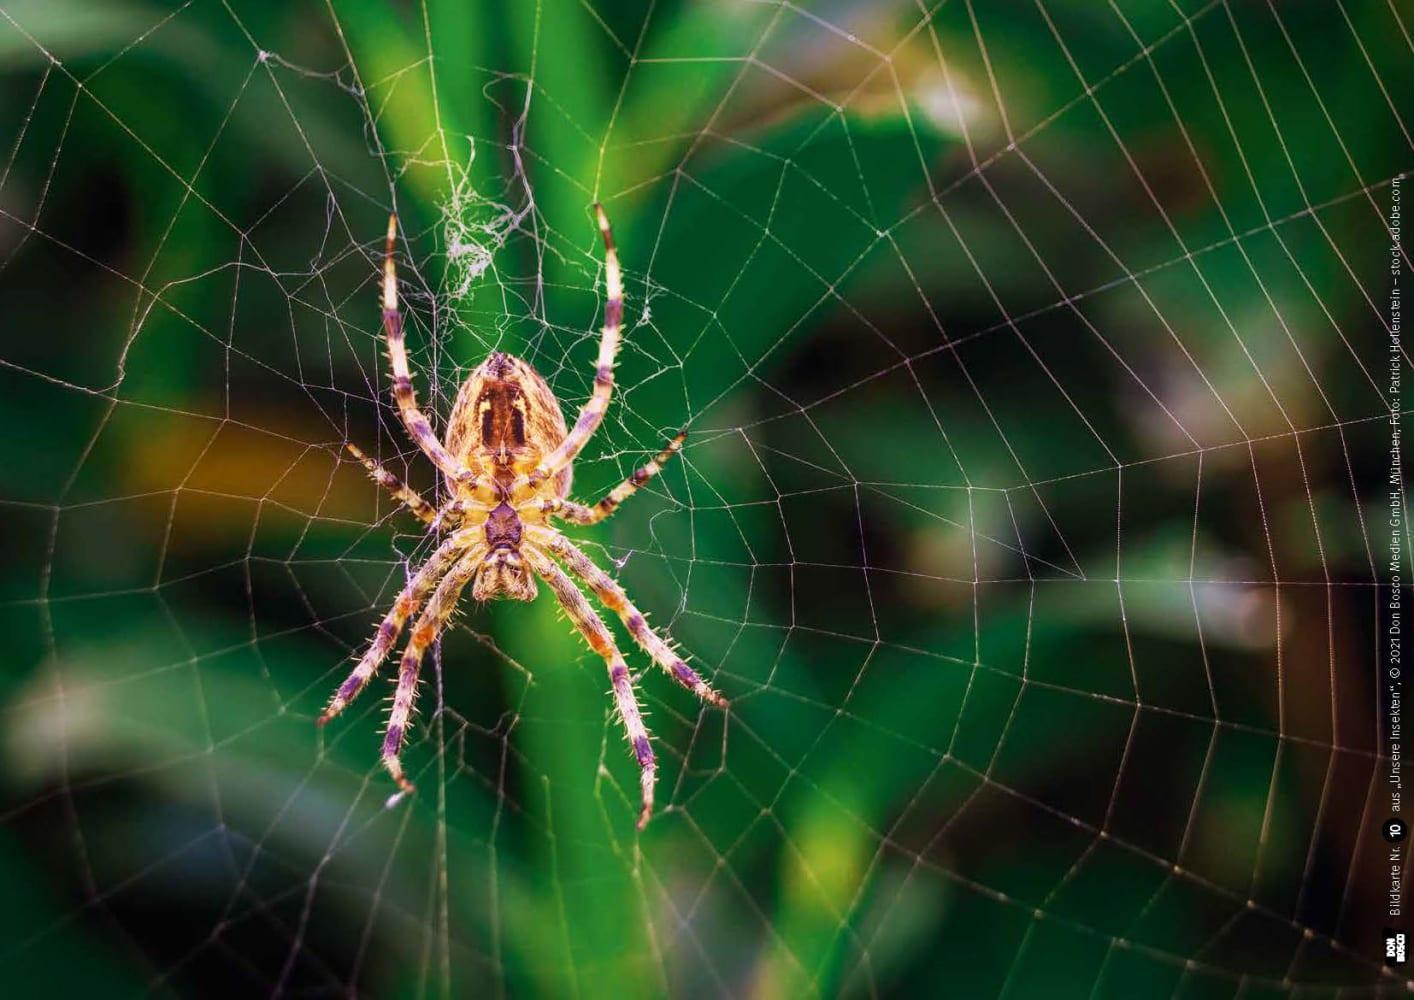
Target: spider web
[[1034, 515]]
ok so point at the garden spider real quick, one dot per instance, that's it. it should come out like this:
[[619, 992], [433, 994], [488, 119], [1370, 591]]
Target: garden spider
[[507, 458]]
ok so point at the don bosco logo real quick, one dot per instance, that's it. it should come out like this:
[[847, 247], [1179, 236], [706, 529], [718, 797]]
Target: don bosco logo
[[1394, 947]]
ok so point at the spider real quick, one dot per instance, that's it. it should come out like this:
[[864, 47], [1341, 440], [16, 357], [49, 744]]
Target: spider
[[508, 459]]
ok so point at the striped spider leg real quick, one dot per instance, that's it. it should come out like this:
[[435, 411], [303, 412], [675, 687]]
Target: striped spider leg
[[592, 412], [592, 627], [418, 426], [411, 598], [578, 513], [425, 631], [544, 541], [409, 497], [612, 596]]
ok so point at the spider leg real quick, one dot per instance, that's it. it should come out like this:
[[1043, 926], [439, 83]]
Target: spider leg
[[410, 497], [577, 513], [418, 426], [592, 627], [598, 402], [612, 596], [429, 625], [408, 601]]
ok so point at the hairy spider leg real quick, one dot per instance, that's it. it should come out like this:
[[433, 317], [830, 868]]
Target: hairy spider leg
[[578, 513], [425, 631], [598, 402], [592, 627], [410, 497], [418, 426], [612, 596], [408, 601]]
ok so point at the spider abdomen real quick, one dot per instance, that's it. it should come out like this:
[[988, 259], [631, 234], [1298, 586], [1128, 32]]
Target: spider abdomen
[[506, 420]]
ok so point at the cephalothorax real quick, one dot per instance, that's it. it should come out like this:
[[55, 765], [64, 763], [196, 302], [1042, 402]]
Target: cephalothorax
[[507, 460]]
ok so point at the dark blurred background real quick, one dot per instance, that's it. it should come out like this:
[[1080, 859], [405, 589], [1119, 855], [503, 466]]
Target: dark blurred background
[[1033, 355]]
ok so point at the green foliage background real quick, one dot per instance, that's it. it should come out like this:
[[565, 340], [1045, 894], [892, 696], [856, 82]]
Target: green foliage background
[[1033, 358]]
